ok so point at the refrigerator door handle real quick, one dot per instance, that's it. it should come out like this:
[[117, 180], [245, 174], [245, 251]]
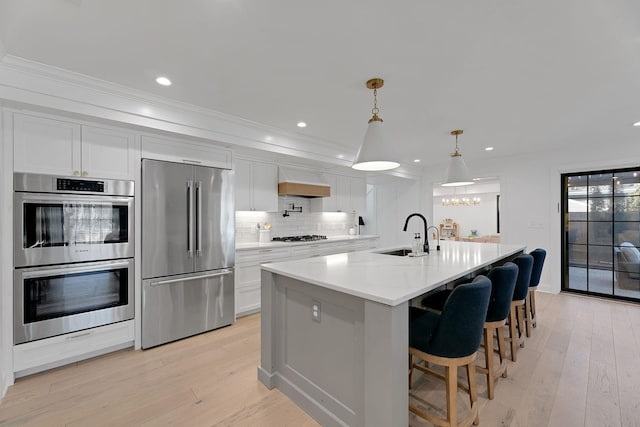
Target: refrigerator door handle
[[203, 276], [189, 218], [198, 218]]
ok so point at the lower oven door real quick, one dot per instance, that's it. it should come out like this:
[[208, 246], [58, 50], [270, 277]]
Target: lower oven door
[[54, 300]]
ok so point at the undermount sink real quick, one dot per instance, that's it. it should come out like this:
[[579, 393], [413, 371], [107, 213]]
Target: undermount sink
[[397, 252]]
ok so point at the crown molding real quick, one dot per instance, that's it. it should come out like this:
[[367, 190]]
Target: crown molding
[[27, 82]]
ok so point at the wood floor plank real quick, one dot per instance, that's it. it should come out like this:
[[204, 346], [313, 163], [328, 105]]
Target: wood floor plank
[[578, 368]]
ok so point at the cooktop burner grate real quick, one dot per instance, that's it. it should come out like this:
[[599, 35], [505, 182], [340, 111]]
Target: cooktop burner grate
[[305, 238]]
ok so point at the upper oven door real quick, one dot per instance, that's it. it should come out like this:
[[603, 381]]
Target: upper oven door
[[65, 228]]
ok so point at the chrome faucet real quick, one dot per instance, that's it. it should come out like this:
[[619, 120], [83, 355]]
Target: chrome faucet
[[425, 246]]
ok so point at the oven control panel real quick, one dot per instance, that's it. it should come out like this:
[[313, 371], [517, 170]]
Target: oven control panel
[[67, 184]]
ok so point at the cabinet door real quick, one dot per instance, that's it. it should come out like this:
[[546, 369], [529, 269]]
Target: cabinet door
[[264, 180], [243, 185], [358, 194], [46, 146], [108, 153], [343, 194]]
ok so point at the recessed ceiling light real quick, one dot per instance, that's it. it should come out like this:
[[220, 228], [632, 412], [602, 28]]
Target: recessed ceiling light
[[476, 179], [341, 156], [163, 81], [636, 124], [488, 149], [268, 138], [416, 160], [302, 125]]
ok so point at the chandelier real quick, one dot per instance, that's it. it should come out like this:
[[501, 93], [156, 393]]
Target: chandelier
[[464, 201]]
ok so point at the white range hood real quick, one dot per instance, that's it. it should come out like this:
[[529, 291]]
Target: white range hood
[[301, 182]]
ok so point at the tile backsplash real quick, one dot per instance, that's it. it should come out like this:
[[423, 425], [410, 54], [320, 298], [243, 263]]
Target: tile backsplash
[[297, 223]]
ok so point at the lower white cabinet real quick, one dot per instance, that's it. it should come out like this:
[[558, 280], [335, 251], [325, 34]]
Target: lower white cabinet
[[247, 276], [36, 356], [247, 272]]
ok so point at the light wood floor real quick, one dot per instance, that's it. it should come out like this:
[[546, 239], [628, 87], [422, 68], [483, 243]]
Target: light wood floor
[[580, 368]]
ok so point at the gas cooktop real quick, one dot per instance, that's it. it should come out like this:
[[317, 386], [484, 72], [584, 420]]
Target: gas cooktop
[[305, 238]]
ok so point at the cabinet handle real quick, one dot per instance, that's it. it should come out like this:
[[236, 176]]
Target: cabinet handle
[[76, 173], [85, 173], [262, 251], [79, 336]]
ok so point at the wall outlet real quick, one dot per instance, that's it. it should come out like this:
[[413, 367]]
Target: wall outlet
[[316, 311]]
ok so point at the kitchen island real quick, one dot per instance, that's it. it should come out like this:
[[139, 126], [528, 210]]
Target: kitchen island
[[335, 329]]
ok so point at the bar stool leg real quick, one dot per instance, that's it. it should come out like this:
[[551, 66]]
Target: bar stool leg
[[532, 296], [501, 349], [488, 360]]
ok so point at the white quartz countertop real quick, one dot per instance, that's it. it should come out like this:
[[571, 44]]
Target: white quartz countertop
[[331, 239], [392, 280]]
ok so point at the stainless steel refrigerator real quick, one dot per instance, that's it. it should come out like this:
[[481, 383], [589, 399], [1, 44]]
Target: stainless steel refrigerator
[[188, 250]]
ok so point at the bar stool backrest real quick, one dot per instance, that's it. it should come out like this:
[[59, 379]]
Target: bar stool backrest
[[538, 261], [459, 330], [525, 266], [503, 282]]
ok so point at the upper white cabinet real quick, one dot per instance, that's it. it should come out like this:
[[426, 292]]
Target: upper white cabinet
[[58, 147], [358, 194], [108, 153], [256, 186], [43, 145], [182, 151], [348, 194]]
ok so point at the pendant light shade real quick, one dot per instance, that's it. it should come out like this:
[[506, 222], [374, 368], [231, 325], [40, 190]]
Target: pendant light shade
[[375, 153], [457, 172]]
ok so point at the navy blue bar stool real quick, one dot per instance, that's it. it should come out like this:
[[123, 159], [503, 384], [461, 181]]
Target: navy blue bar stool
[[516, 313], [451, 339], [530, 305], [503, 282]]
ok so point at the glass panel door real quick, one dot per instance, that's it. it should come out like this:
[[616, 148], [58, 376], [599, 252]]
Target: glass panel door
[[601, 233]]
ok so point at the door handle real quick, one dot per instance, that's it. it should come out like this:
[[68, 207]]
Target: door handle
[[198, 218], [203, 276], [189, 218]]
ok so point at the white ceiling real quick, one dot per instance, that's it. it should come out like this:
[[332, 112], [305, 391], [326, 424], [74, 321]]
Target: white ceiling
[[522, 76]]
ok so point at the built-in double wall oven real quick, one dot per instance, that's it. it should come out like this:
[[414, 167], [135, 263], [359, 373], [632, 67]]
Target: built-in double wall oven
[[73, 254]]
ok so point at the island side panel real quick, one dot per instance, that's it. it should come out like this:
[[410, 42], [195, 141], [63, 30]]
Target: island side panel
[[386, 364], [266, 369], [317, 364]]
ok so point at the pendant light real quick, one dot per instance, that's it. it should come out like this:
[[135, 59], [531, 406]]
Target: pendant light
[[375, 153], [457, 172]]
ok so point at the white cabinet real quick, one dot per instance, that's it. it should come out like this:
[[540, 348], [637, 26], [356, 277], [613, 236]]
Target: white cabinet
[[247, 276], [256, 186], [348, 194], [183, 151], [358, 194], [59, 147], [47, 353], [43, 145], [108, 153]]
